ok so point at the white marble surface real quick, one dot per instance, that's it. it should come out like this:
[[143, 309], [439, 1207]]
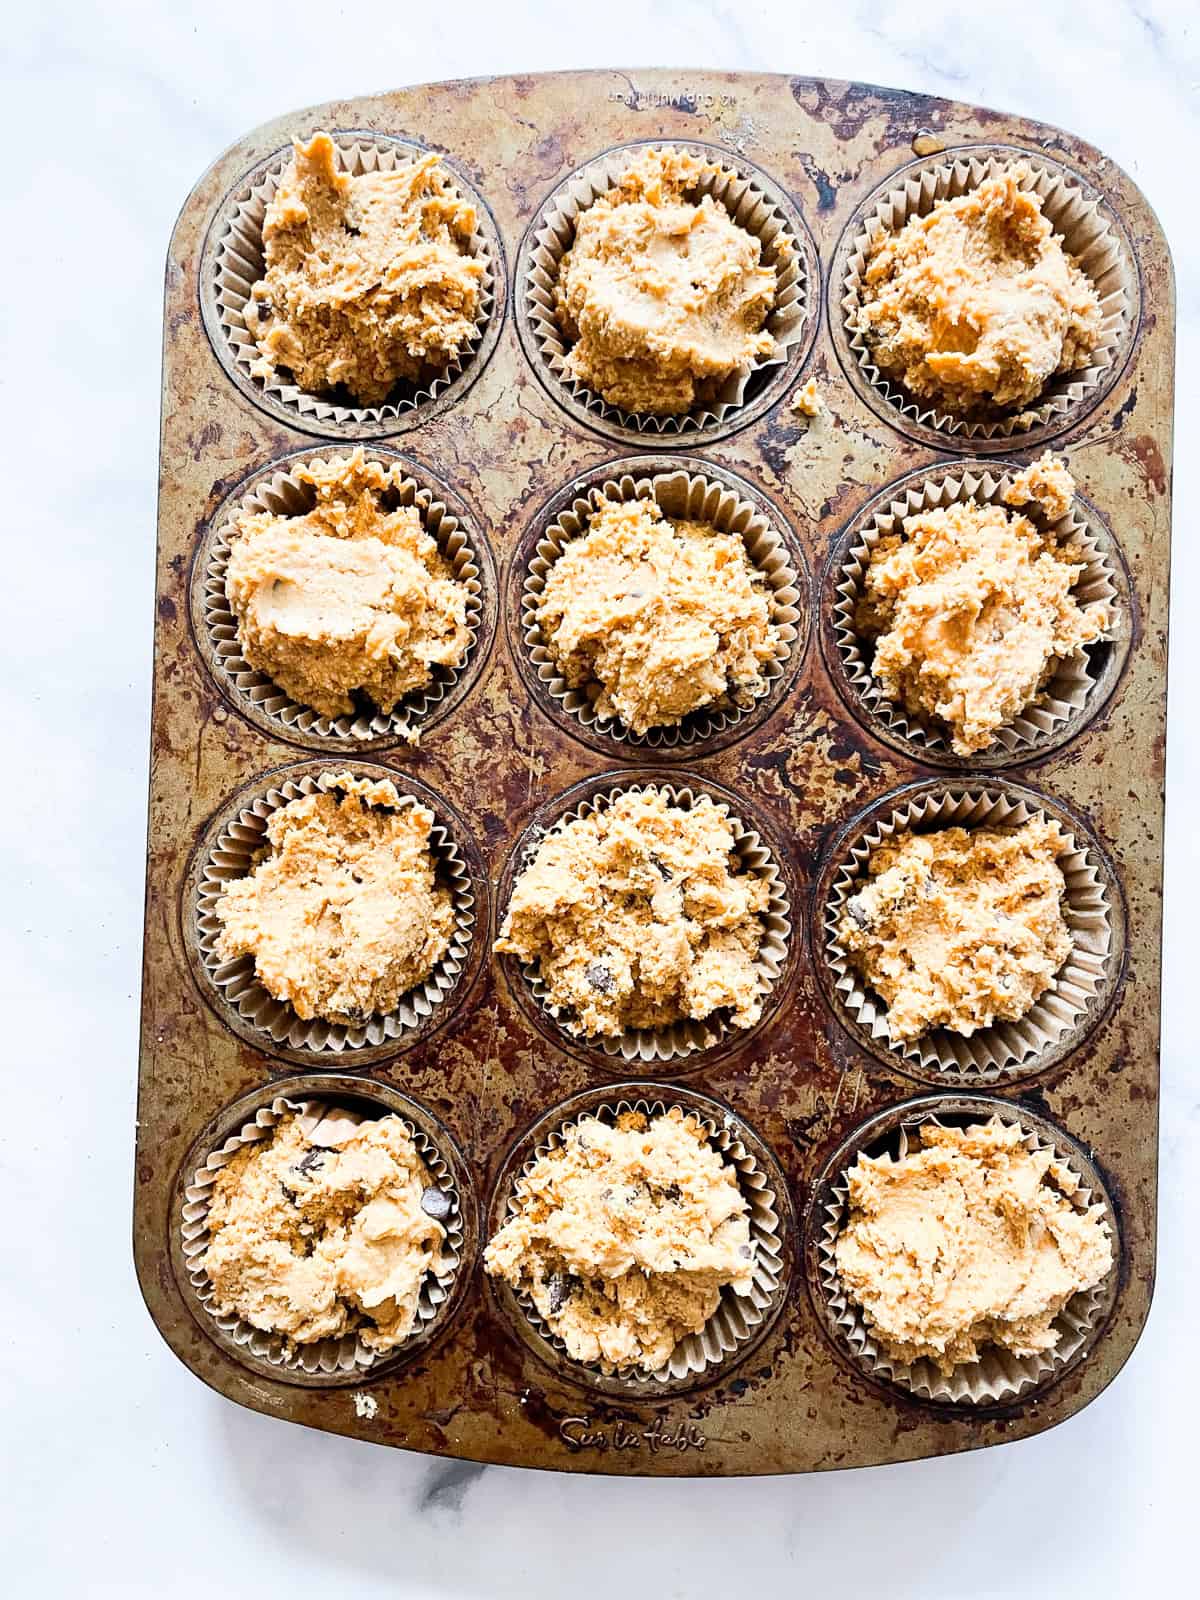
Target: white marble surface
[[121, 1474]]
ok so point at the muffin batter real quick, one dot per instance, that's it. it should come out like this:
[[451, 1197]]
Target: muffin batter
[[970, 1241], [343, 913], [369, 281], [807, 401], [313, 1235], [662, 295], [665, 616], [638, 915], [978, 303], [960, 928], [971, 611], [1046, 484], [350, 598], [625, 1236]]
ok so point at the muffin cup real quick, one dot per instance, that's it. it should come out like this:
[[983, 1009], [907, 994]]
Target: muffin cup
[[1078, 687], [709, 495], [329, 1361], [999, 1377], [234, 261], [1091, 234], [1060, 1018], [277, 488], [756, 204], [228, 851], [740, 1321], [681, 1041]]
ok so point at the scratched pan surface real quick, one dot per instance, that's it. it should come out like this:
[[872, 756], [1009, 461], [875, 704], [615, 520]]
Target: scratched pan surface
[[479, 1388]]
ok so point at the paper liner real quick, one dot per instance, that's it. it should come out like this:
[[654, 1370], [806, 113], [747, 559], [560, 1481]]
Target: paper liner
[[331, 1358], [235, 261], [679, 494], [999, 1376], [743, 191], [687, 1037], [1068, 698], [738, 1318], [263, 701], [232, 853], [1087, 234], [1064, 1011]]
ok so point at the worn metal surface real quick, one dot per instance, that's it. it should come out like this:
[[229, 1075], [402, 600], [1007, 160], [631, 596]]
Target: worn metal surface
[[488, 1073]]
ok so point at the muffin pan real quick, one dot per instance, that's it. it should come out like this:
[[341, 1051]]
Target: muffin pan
[[505, 452]]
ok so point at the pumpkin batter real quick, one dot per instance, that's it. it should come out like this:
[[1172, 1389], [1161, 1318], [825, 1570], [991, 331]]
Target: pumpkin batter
[[625, 1236], [350, 598], [960, 928], [807, 401], [369, 279], [1045, 484], [971, 611], [977, 304], [343, 913], [665, 616], [970, 1241], [313, 1235], [662, 295], [637, 916]]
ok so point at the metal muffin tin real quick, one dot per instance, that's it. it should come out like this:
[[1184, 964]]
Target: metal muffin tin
[[489, 1071]]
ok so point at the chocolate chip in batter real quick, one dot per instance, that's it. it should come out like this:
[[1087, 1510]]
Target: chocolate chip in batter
[[436, 1203], [599, 977], [560, 1286]]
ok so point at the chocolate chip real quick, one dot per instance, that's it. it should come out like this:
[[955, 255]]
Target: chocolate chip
[[672, 1192], [745, 1251], [310, 1162], [857, 914], [436, 1203], [289, 1194], [559, 1289], [600, 978], [666, 871]]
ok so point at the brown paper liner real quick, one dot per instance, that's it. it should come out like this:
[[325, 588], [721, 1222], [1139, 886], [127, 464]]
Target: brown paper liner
[[234, 261], [733, 185], [331, 1358], [738, 1318], [1066, 700], [232, 854], [1063, 1012], [999, 1376], [1087, 235], [687, 1037], [679, 494], [263, 701]]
